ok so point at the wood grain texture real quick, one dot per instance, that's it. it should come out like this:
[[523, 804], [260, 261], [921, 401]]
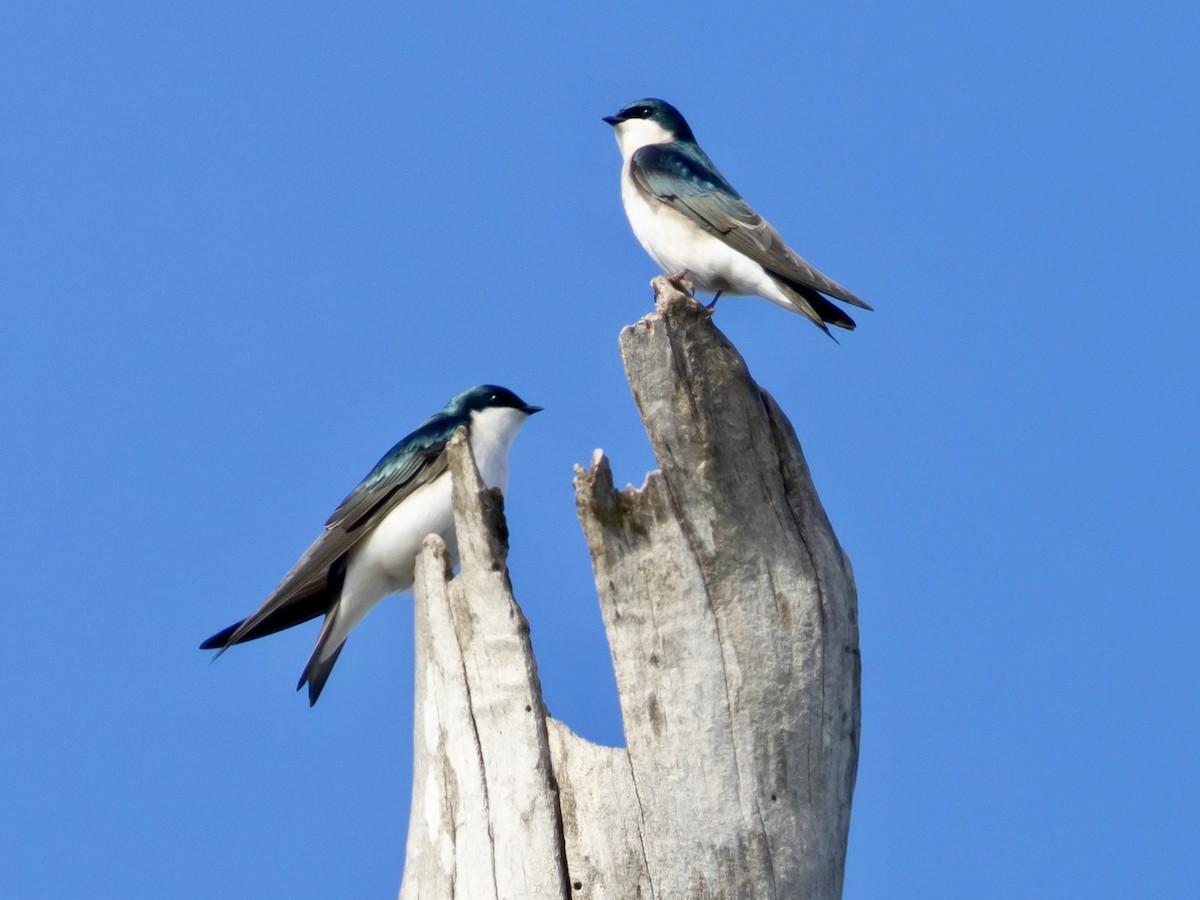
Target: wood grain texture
[[485, 818], [731, 615]]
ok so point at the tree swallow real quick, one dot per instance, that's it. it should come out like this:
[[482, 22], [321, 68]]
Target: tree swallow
[[697, 227], [370, 544]]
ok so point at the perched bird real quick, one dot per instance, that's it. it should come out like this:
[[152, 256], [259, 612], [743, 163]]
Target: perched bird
[[370, 544], [699, 229]]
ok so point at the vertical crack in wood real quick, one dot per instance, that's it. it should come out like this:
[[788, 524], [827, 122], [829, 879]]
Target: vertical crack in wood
[[480, 716], [482, 762]]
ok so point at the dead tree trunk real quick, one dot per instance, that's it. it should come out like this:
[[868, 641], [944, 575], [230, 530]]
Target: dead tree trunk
[[731, 615]]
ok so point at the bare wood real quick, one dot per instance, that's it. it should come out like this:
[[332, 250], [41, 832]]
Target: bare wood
[[602, 821], [731, 615], [484, 819]]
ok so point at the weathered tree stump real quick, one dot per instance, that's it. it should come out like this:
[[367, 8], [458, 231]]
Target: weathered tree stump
[[731, 615]]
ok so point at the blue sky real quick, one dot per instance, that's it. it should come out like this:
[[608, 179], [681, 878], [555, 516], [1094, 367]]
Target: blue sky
[[244, 250]]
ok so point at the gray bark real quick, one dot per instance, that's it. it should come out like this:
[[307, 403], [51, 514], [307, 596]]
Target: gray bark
[[731, 616]]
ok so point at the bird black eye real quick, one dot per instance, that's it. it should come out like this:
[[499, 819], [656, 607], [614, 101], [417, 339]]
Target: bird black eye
[[643, 112]]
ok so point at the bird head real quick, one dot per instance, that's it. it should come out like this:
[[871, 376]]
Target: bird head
[[649, 121]]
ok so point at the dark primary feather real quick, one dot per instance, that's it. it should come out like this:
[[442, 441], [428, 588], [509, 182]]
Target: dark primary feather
[[683, 176], [316, 671], [300, 610]]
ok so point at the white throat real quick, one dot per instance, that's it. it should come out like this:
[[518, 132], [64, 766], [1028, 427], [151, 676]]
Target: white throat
[[492, 433], [633, 134]]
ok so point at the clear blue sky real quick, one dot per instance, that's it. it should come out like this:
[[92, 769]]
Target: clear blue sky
[[244, 250]]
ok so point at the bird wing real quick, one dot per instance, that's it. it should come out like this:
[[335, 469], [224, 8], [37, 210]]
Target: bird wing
[[415, 461], [683, 177]]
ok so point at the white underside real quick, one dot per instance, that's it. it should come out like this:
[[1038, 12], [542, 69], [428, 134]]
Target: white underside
[[677, 244], [384, 562]]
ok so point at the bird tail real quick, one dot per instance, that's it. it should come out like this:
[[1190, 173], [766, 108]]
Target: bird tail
[[321, 662], [815, 306]]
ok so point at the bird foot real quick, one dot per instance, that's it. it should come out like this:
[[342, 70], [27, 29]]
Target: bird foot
[[680, 280]]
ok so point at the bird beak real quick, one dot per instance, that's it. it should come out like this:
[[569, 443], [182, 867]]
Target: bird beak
[[613, 120], [530, 410]]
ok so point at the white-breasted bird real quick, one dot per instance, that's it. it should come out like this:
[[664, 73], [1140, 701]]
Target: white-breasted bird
[[370, 544], [699, 229]]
